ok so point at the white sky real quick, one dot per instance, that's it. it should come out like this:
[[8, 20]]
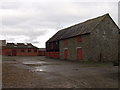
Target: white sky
[[35, 21]]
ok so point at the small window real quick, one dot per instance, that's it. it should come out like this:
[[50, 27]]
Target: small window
[[22, 50], [29, 50], [78, 38], [65, 41], [35, 50]]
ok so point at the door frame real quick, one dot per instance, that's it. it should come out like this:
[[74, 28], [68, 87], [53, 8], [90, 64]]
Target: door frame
[[77, 53], [64, 53]]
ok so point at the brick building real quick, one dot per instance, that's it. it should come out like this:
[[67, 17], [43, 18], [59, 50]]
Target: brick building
[[20, 49], [93, 40]]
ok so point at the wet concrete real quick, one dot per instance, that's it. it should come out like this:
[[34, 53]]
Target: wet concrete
[[54, 73]]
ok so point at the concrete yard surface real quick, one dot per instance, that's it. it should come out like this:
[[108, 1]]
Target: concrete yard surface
[[41, 72]]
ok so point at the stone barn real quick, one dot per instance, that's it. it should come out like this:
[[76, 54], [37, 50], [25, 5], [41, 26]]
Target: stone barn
[[93, 40]]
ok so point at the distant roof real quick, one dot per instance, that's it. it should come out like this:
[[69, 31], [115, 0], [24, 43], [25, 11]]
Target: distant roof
[[42, 49], [19, 45], [78, 29]]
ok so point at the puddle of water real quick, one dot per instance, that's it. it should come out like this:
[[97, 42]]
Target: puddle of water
[[37, 69], [33, 62]]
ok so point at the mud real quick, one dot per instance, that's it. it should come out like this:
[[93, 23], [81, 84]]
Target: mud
[[41, 72]]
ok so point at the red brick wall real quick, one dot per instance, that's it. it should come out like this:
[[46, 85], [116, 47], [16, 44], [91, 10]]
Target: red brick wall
[[26, 53], [52, 54], [9, 52], [41, 53]]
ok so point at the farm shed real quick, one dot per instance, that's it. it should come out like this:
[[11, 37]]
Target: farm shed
[[19, 49], [93, 40]]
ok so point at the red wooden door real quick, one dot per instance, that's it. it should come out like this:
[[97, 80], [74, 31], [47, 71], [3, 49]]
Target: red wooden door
[[79, 53], [65, 54], [13, 52]]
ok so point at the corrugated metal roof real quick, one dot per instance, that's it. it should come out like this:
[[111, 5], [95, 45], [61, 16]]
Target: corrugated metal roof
[[78, 29]]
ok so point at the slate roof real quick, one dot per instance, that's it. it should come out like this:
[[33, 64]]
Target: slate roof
[[20, 45], [78, 29]]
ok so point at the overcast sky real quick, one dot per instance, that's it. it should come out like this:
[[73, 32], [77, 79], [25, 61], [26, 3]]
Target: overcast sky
[[36, 21]]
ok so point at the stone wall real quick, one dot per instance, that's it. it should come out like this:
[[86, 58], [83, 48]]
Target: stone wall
[[73, 45], [104, 41]]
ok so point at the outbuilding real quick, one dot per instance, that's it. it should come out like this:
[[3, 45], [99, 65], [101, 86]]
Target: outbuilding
[[93, 40], [21, 49]]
